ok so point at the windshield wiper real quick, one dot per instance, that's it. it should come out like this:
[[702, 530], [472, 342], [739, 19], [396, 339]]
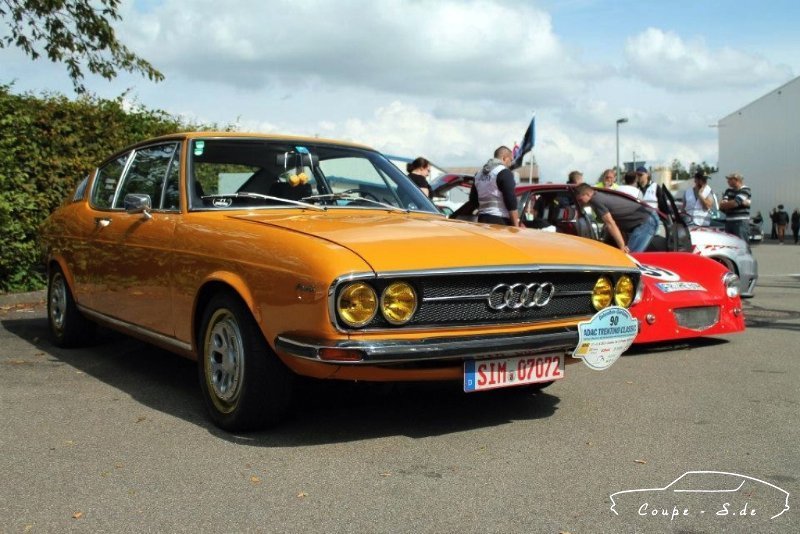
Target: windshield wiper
[[248, 194], [356, 197]]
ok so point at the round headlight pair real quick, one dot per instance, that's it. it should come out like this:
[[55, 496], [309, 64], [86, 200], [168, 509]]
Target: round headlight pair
[[621, 293], [358, 303]]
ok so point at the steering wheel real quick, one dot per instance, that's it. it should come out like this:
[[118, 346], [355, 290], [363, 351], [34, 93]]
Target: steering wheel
[[359, 192]]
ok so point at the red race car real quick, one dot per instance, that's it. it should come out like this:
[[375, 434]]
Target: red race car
[[683, 295]]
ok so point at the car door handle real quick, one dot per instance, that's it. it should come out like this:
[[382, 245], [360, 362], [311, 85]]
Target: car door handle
[[101, 222]]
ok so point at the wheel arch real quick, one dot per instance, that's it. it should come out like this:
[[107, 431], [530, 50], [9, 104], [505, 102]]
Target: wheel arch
[[61, 264], [223, 282], [727, 262]]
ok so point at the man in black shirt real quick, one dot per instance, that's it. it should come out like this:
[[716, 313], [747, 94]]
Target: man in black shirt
[[736, 205], [621, 215]]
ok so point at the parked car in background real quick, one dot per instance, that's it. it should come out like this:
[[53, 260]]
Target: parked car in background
[[449, 199], [674, 233], [683, 293], [266, 257], [685, 296]]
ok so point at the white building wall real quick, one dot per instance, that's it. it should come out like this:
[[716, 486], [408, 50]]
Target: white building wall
[[761, 141]]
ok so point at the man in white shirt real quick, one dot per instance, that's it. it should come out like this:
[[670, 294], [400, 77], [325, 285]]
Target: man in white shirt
[[629, 187], [698, 200], [647, 186]]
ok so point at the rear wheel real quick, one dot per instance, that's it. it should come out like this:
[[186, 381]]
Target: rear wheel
[[245, 386], [68, 326]]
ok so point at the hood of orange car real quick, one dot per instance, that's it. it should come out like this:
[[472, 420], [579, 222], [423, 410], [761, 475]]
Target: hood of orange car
[[400, 241]]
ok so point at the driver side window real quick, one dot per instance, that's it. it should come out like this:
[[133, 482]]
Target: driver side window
[[147, 173]]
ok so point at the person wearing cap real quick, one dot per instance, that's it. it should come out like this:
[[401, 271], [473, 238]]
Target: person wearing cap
[[621, 215], [736, 205], [647, 186], [698, 200]]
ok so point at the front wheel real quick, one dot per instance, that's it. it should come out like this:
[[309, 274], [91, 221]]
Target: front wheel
[[245, 386], [68, 326]]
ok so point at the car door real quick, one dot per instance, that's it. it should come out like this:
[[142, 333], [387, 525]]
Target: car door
[[557, 208], [677, 231], [131, 258]]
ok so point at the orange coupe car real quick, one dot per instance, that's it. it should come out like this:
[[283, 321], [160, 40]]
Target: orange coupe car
[[264, 257]]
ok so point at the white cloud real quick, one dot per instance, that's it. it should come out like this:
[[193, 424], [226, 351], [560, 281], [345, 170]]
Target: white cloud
[[453, 49], [664, 59]]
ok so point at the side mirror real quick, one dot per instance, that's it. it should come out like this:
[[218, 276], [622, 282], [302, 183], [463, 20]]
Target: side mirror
[[138, 203]]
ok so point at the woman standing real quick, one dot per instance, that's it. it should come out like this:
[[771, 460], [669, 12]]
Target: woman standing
[[796, 224], [418, 171]]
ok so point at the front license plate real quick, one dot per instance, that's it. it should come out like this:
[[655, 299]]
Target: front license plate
[[505, 372]]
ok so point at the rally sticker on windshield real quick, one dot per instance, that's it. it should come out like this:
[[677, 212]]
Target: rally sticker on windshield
[[604, 337]]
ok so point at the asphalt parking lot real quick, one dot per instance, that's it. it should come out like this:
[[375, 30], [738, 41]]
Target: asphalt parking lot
[[114, 438]]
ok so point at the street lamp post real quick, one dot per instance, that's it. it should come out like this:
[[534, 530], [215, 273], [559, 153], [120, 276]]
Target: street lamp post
[[619, 121]]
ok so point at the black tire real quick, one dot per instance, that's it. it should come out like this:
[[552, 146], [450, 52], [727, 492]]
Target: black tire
[[245, 386], [68, 326]]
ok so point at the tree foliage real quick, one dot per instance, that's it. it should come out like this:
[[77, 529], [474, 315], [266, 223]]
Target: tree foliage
[[77, 33], [48, 144]]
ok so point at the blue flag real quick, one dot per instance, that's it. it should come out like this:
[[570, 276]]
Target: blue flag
[[528, 140]]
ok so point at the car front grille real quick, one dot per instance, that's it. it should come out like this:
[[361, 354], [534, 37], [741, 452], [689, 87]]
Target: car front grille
[[453, 300], [697, 318]]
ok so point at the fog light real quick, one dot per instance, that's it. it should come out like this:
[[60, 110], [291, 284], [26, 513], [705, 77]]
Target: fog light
[[602, 293], [623, 291]]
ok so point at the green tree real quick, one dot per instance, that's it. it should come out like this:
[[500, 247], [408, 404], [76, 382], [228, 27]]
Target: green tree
[[77, 33], [47, 145]]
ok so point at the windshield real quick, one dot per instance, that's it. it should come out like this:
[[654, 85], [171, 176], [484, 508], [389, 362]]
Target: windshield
[[230, 174]]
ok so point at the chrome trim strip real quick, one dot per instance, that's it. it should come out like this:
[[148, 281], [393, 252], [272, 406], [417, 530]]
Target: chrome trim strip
[[509, 269], [481, 297], [124, 325], [442, 349]]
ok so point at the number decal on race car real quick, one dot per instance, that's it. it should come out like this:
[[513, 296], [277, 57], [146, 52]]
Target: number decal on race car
[[660, 273]]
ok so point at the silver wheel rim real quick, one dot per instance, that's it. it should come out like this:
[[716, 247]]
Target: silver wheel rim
[[58, 302], [224, 360]]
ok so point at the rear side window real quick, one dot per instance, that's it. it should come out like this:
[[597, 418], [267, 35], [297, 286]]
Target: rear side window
[[106, 182]]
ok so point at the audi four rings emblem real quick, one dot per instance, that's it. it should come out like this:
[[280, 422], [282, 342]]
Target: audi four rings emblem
[[517, 296]]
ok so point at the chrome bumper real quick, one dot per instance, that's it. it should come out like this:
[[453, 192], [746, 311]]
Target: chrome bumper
[[439, 349]]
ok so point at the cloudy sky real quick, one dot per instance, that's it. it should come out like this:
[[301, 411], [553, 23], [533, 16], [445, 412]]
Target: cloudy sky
[[452, 80]]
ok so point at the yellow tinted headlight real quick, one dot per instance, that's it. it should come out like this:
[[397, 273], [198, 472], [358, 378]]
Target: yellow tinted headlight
[[398, 303], [357, 304], [624, 291], [602, 293]]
